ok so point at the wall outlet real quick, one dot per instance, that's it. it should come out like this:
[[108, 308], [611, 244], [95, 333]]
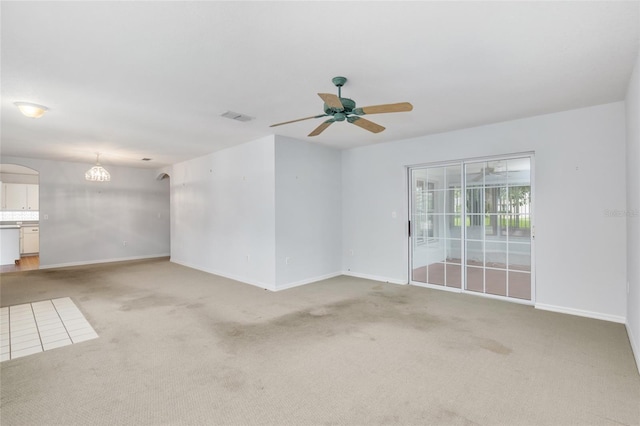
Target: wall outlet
[[351, 252], [394, 214], [248, 258], [46, 217], [124, 244], [286, 260]]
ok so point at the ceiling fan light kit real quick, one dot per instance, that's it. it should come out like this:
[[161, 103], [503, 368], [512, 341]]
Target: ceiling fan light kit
[[344, 109]]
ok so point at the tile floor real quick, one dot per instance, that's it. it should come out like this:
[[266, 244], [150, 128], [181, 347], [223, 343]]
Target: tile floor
[[39, 326]]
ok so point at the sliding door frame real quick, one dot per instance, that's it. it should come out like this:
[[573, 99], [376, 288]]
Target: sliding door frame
[[410, 234]]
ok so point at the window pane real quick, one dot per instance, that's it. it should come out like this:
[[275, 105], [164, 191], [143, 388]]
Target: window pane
[[435, 176], [430, 201], [454, 275], [453, 226], [520, 227], [496, 282], [437, 225], [474, 174], [495, 173], [475, 201], [453, 251], [495, 199], [519, 202], [520, 256], [475, 253], [520, 285], [419, 274], [475, 279], [519, 171], [496, 255], [453, 201], [435, 251], [475, 228], [454, 177], [435, 274], [495, 227]]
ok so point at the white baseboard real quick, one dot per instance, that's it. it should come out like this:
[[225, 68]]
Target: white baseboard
[[307, 281], [240, 279], [374, 278], [266, 286], [634, 347], [95, 262], [581, 313], [436, 287]]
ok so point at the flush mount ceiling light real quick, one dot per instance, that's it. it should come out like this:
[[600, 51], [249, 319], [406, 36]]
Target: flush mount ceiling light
[[97, 173], [31, 110]]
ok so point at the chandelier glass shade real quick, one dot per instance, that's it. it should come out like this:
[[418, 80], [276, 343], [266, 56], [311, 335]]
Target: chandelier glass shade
[[97, 173]]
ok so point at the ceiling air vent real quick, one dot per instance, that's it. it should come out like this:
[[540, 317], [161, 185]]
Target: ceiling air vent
[[236, 116]]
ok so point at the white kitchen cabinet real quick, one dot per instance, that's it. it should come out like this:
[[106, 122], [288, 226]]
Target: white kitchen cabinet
[[20, 196], [30, 239], [33, 197], [15, 196]]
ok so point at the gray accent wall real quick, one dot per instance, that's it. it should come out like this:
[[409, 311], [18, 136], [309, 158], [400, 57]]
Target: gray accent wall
[[90, 222]]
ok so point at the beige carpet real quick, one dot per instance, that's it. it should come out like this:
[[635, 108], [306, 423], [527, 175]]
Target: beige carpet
[[179, 346]]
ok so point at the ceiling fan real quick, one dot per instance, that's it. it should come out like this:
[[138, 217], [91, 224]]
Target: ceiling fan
[[341, 109], [488, 172]]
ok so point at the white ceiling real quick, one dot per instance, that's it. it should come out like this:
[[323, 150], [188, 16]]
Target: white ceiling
[[150, 79]]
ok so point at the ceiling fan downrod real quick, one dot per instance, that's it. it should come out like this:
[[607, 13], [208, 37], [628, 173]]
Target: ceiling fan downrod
[[339, 82]]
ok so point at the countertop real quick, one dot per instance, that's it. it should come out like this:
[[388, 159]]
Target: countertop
[[18, 224]]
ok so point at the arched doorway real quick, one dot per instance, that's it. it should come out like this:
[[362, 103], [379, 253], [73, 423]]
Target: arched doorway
[[19, 217]]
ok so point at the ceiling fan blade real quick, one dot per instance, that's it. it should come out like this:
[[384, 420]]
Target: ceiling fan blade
[[379, 109], [332, 101], [321, 128], [299, 119], [365, 124]]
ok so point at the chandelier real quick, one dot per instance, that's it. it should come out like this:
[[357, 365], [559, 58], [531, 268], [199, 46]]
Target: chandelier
[[97, 173]]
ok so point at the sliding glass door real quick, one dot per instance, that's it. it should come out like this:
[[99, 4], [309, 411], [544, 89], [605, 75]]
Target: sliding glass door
[[491, 253], [436, 225]]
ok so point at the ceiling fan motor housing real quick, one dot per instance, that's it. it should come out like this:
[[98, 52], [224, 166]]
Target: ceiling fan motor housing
[[348, 106]]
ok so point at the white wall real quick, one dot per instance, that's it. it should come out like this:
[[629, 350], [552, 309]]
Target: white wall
[[270, 199], [308, 212], [223, 213], [87, 222], [633, 211], [579, 174]]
